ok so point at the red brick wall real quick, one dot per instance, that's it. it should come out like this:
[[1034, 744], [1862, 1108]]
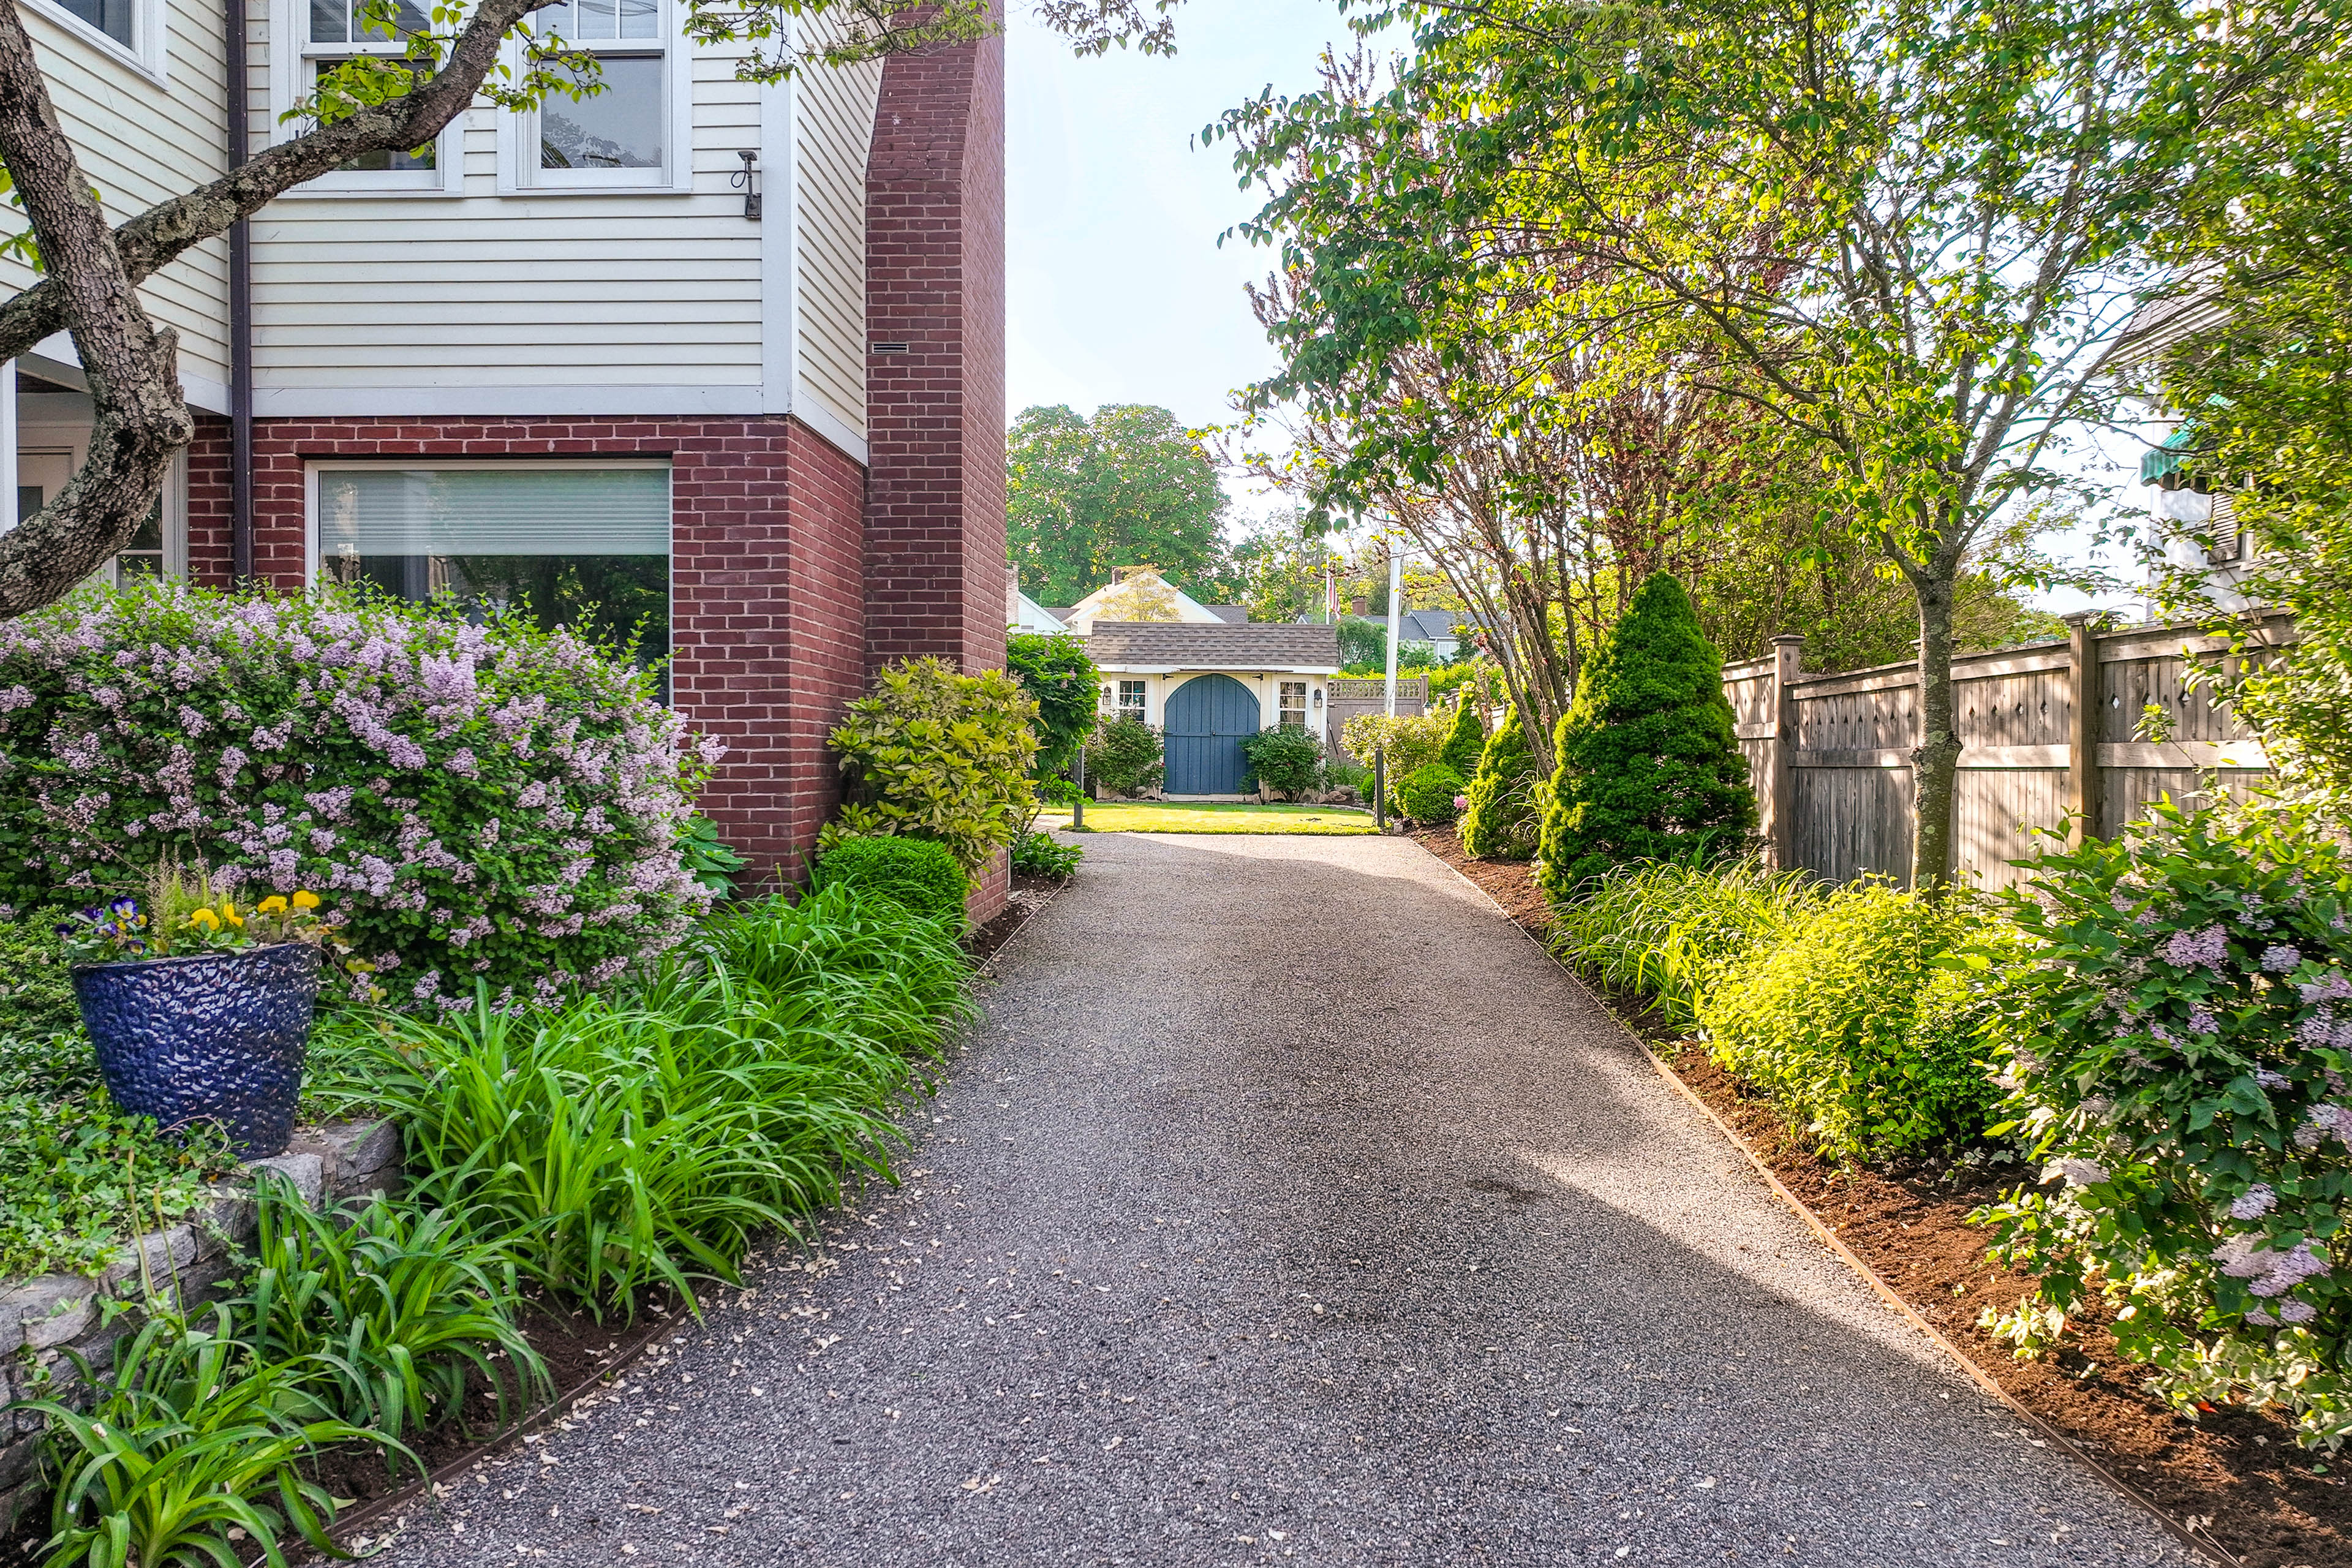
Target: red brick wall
[[767, 613], [935, 414]]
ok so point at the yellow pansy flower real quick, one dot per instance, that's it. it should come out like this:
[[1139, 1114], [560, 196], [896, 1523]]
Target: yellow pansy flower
[[306, 900], [272, 905], [228, 912], [205, 918]]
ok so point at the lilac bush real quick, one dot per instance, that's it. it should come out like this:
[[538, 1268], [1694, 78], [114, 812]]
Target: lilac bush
[[2178, 1042], [495, 804]]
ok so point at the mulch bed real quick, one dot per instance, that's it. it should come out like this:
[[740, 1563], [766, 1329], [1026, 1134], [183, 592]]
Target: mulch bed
[[2235, 1477], [1030, 894]]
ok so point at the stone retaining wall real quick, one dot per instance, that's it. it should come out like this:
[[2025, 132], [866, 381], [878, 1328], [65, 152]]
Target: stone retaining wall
[[41, 1319]]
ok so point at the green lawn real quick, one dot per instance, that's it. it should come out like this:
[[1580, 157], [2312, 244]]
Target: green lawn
[[1185, 816]]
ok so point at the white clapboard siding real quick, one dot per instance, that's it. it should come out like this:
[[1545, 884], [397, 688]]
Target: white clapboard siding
[[835, 116], [141, 142], [473, 288]]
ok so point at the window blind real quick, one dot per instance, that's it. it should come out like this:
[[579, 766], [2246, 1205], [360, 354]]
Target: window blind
[[493, 512]]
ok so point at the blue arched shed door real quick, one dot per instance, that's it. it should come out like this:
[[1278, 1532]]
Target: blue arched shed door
[[1206, 719]]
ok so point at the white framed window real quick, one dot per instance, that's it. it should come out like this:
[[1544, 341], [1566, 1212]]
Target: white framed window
[[133, 31], [635, 133], [1293, 705], [584, 544], [310, 37], [53, 441], [1130, 699]]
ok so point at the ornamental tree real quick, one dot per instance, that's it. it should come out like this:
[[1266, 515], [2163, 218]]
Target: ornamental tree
[[1648, 766], [1054, 669], [1465, 740], [491, 51]]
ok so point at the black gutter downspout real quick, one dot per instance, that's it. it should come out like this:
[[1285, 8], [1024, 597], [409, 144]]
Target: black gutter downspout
[[240, 324]]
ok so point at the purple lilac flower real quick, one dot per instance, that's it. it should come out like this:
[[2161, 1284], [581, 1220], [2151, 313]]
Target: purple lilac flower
[[2270, 1079], [2253, 1202], [2201, 1021], [2207, 949], [2296, 1311], [2280, 957], [2336, 987]]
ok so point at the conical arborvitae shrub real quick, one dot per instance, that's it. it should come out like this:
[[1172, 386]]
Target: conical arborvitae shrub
[[1648, 769], [1466, 739], [1496, 825]]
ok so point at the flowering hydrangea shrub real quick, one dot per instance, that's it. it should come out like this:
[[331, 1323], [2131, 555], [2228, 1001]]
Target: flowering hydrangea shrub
[[2178, 1042], [490, 805]]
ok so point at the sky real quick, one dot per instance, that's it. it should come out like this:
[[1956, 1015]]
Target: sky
[[1117, 289]]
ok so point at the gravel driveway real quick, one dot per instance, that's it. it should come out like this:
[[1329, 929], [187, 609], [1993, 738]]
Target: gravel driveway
[[1291, 1205]]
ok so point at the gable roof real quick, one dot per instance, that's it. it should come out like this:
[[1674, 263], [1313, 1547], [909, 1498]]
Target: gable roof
[[1236, 613], [1215, 645], [1426, 626]]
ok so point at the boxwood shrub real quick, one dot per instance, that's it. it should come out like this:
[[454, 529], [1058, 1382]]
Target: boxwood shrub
[[919, 873], [1428, 793], [493, 804]]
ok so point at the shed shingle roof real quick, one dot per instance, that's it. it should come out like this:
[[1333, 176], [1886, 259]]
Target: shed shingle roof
[[1178, 645]]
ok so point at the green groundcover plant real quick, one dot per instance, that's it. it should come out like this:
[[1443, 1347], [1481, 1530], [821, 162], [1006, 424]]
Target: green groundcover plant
[[1666, 931], [37, 996], [1500, 815], [932, 753], [486, 804], [919, 873], [648, 1136], [1849, 1017], [1648, 769], [1042, 855], [2178, 1035]]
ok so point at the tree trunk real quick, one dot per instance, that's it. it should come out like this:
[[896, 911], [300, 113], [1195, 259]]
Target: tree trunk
[[139, 419], [1935, 761]]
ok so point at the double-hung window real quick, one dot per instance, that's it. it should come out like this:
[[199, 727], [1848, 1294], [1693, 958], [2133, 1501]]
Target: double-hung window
[[130, 30], [627, 135], [583, 545], [336, 33], [1130, 699], [1293, 705]]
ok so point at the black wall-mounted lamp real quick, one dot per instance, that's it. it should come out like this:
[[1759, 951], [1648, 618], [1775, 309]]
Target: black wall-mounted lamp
[[749, 182]]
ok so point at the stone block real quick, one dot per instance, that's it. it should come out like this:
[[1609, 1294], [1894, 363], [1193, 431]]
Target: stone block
[[20, 1461], [64, 1325], [25, 1501], [350, 1150], [308, 1173]]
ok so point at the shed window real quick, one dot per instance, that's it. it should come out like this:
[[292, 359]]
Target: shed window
[[1130, 699], [583, 547], [1293, 705]]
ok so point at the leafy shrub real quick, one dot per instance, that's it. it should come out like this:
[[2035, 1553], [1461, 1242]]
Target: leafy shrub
[[918, 872], [1042, 855], [1465, 740], [387, 1309], [1409, 742], [1362, 643], [930, 753], [1339, 772], [1055, 790], [1125, 756], [1054, 669], [36, 994], [708, 858], [649, 1136], [1286, 760], [1428, 793], [74, 1170], [191, 1452], [1666, 931], [493, 804], [1849, 1020], [1647, 767], [2179, 1029]]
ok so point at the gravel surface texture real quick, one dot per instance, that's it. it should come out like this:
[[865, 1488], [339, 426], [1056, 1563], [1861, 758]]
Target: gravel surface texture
[[1290, 1205]]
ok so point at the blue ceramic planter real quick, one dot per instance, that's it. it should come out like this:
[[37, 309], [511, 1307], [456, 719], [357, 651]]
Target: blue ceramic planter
[[214, 1037]]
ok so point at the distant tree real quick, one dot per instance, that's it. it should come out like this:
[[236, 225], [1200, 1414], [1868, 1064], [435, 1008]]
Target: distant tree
[[1128, 487], [1648, 766], [1141, 596], [1054, 668], [1278, 569]]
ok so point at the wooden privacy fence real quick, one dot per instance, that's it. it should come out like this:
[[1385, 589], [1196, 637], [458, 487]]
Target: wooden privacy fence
[[2049, 737], [1351, 696]]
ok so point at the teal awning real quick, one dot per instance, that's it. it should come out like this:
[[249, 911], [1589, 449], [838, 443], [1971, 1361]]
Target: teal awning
[[2159, 463]]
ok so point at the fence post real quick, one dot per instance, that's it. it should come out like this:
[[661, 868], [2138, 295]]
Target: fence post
[[1780, 805], [1380, 788], [2082, 726]]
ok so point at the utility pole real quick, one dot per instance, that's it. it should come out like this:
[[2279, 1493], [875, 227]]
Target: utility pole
[[1396, 615]]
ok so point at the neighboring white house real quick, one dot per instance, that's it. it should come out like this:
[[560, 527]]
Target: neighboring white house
[[1079, 617], [2189, 502], [1028, 615], [1206, 684]]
